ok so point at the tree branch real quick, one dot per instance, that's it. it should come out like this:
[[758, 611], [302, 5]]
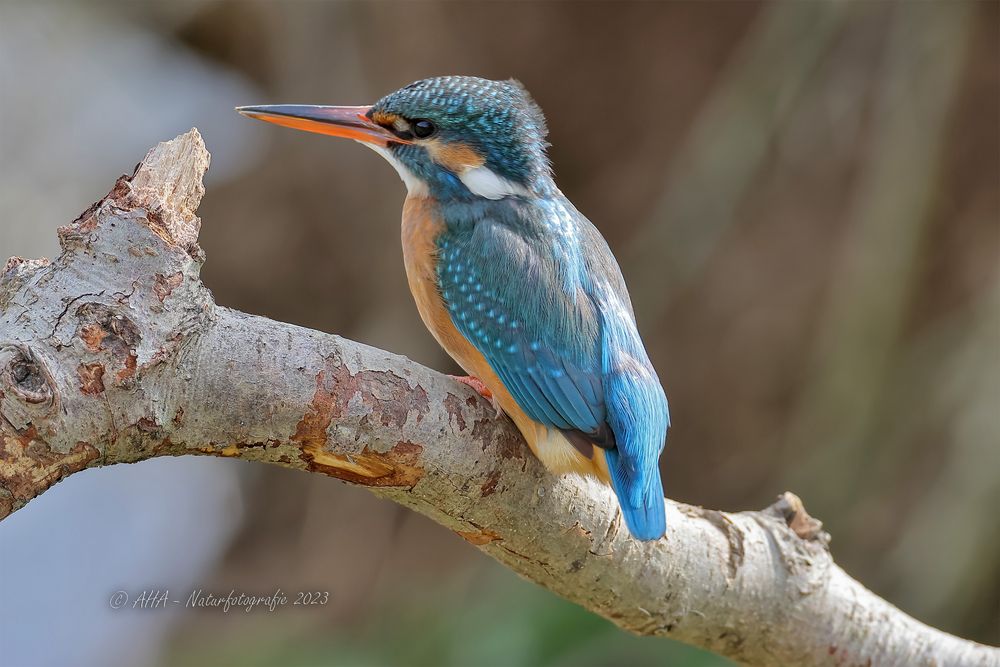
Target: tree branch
[[116, 352]]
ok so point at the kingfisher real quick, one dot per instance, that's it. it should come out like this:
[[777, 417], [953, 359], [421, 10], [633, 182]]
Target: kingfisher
[[516, 285]]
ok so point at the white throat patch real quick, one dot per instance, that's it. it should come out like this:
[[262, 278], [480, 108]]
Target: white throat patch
[[414, 186], [483, 182]]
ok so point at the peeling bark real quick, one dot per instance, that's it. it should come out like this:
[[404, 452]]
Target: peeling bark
[[116, 352]]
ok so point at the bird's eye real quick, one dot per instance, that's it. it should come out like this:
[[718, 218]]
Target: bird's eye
[[422, 128]]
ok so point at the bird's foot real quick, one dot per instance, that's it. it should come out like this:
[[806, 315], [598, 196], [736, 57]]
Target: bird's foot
[[480, 388]]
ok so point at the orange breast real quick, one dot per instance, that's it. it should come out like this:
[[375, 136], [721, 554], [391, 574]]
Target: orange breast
[[421, 226]]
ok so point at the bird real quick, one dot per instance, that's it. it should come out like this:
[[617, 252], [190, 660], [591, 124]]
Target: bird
[[516, 285]]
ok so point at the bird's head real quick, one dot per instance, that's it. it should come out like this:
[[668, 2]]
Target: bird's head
[[448, 137]]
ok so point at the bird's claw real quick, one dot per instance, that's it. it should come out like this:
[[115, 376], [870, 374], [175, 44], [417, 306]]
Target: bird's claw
[[480, 388]]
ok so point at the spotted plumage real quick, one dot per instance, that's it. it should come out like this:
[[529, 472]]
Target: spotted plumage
[[515, 283], [498, 119]]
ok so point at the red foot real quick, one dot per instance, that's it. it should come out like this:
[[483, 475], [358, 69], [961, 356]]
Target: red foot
[[480, 388], [475, 383]]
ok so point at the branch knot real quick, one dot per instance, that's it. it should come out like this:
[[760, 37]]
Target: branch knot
[[789, 507]]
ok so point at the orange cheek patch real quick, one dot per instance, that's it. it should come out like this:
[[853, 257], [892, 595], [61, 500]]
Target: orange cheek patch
[[455, 156], [384, 118]]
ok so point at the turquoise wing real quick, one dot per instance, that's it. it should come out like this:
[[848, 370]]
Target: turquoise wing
[[524, 308], [543, 300]]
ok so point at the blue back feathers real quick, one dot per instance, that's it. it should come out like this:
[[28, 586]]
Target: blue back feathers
[[534, 287]]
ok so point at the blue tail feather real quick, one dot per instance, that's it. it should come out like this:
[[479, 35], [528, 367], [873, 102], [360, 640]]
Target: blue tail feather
[[642, 504]]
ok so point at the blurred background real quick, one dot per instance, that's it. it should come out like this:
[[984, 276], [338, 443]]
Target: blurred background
[[804, 198]]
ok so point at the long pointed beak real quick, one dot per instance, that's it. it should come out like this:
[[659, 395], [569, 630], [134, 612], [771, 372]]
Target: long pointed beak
[[349, 122]]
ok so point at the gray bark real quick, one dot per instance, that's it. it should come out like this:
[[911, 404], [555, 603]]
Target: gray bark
[[116, 352]]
